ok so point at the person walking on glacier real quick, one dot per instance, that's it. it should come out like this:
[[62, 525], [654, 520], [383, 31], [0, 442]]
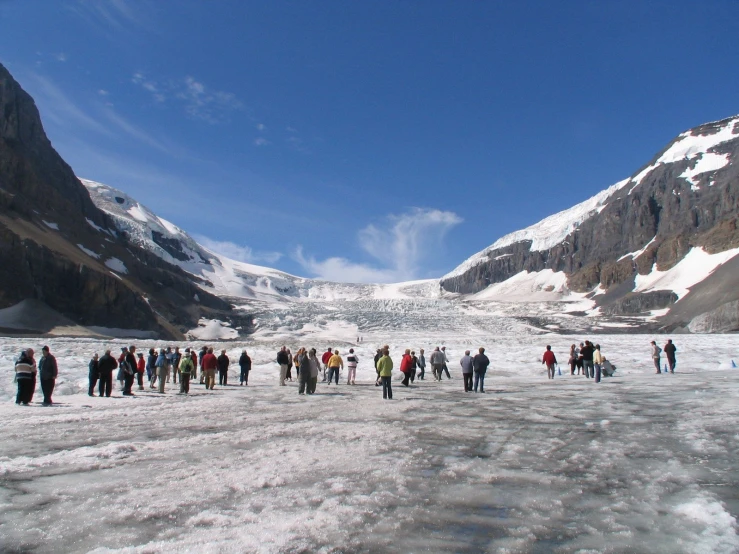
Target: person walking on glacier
[[377, 357], [302, 369], [405, 367], [587, 359], [185, 370], [282, 360], [656, 351], [335, 363], [161, 365], [93, 374], [210, 364], [437, 363], [245, 366], [480, 365], [421, 364], [670, 350], [444, 366], [466, 363], [223, 363], [315, 368], [106, 365], [385, 368], [324, 360], [352, 360], [550, 360]]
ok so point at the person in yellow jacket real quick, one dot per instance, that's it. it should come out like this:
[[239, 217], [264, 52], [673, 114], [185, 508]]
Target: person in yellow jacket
[[598, 360], [334, 364], [385, 370]]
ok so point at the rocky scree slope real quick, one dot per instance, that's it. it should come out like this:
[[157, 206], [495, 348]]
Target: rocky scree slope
[[57, 247], [686, 198]]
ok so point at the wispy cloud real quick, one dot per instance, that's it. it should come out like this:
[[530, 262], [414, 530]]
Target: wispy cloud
[[261, 127], [116, 14], [198, 100], [60, 57], [132, 130], [261, 142], [402, 246], [238, 252]]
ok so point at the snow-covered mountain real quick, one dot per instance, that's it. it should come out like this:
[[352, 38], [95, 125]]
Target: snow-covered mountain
[[660, 244]]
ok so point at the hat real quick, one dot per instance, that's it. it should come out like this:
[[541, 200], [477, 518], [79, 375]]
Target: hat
[[46, 348], [187, 350], [140, 355]]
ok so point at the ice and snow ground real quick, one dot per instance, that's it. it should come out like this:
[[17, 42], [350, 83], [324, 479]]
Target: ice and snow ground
[[639, 463]]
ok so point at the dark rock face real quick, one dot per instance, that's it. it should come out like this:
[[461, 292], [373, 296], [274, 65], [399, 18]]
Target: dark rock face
[[47, 263], [664, 206]]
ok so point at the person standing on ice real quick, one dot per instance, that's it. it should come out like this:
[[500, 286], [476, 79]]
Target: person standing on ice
[[444, 367], [93, 374], [130, 371], [302, 368], [47, 372], [194, 358], [670, 353], [210, 364], [245, 366], [106, 365], [161, 365], [185, 369], [282, 360], [550, 360], [580, 364], [421, 364], [315, 368], [385, 368], [587, 359], [324, 360], [335, 363], [405, 366], [25, 377], [290, 362], [151, 367], [466, 363], [351, 367], [480, 365], [377, 357], [437, 363], [414, 366], [121, 376], [598, 360], [223, 363], [203, 352], [656, 351], [572, 361], [140, 368]]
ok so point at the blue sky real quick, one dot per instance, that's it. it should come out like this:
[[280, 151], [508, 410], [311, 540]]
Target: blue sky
[[367, 141]]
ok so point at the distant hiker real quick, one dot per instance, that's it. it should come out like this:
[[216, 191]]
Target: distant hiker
[[93, 374], [151, 367], [203, 352], [414, 366], [335, 363], [466, 363], [302, 367], [480, 365], [421, 364], [598, 360], [290, 362], [282, 360], [121, 376], [385, 367], [106, 365], [315, 368], [194, 358], [245, 366], [324, 360], [586, 352], [437, 363], [129, 371], [185, 369], [572, 361], [210, 364], [351, 367], [47, 372], [140, 368], [176, 359], [444, 366], [550, 360], [169, 358], [25, 377], [161, 365], [670, 353], [580, 364], [656, 351], [223, 363], [405, 366], [377, 357]]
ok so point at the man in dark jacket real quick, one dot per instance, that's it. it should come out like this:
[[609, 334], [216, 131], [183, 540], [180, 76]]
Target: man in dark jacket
[[25, 376], [466, 363], [480, 365], [223, 363], [586, 352], [245, 365], [282, 361], [203, 352], [129, 372], [48, 371], [106, 365], [93, 375], [670, 353]]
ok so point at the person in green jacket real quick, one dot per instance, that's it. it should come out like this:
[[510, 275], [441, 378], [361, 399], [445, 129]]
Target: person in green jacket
[[385, 371], [186, 368]]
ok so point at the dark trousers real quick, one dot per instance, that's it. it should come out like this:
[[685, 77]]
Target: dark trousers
[[588, 368], [26, 388], [184, 382], [387, 387], [422, 372], [128, 383], [222, 377], [671, 362], [106, 383], [140, 379], [406, 378], [312, 382], [413, 375], [331, 372], [467, 382], [480, 380], [47, 387], [573, 365], [244, 376], [93, 382], [597, 373], [304, 383], [445, 370]]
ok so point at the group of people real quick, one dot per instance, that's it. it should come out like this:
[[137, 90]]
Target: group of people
[[170, 364]]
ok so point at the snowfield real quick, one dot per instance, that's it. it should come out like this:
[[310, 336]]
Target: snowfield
[[639, 463]]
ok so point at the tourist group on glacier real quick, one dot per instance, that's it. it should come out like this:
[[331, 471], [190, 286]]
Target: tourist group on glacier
[[171, 365]]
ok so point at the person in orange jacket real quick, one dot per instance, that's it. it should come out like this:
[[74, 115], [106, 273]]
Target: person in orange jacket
[[550, 360]]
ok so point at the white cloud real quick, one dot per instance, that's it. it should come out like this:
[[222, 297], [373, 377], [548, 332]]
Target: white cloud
[[261, 142], [261, 127], [61, 57], [103, 92], [238, 252], [402, 245]]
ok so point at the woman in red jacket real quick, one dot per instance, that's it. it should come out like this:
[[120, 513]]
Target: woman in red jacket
[[406, 363]]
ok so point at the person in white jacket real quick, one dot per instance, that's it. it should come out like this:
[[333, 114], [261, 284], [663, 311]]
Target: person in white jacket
[[351, 367], [656, 351]]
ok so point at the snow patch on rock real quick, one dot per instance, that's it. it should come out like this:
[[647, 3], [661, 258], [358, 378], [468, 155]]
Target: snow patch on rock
[[89, 252], [51, 225], [213, 329], [116, 265]]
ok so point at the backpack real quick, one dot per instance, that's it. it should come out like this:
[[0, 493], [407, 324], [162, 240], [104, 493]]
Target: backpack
[[126, 367]]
